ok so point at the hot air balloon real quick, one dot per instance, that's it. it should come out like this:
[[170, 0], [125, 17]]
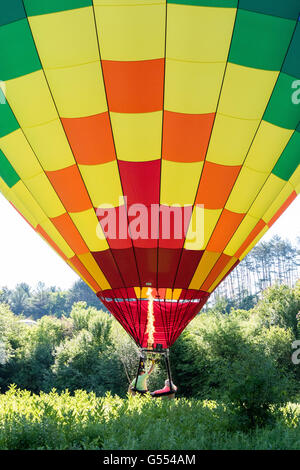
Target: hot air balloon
[[151, 143]]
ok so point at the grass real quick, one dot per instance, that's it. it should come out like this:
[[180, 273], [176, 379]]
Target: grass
[[84, 421]]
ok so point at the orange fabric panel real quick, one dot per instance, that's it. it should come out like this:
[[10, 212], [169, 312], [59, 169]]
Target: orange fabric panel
[[216, 184], [253, 234], [42, 232], [91, 139], [135, 86], [225, 228], [284, 206], [186, 136], [84, 272], [67, 229], [216, 270], [70, 188]]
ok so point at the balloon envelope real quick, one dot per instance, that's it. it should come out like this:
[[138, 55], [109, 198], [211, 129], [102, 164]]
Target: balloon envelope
[[150, 143]]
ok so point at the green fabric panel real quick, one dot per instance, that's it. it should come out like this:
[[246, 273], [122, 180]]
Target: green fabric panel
[[207, 3], [284, 8], [281, 110], [291, 64], [298, 127], [7, 172], [260, 41], [8, 122], [11, 10], [289, 159], [19, 56], [42, 7]]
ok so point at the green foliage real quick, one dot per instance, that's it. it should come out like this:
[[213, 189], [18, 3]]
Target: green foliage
[[84, 421], [241, 358], [23, 300], [279, 307]]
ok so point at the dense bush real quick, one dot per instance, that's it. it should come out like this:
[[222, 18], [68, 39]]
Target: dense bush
[[83, 421], [242, 358]]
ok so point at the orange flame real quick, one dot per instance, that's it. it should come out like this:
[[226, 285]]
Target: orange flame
[[150, 319]]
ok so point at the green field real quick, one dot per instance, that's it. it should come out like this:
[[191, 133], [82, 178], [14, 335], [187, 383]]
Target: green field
[[84, 421]]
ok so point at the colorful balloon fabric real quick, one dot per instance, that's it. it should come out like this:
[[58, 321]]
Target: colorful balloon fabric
[[191, 106]]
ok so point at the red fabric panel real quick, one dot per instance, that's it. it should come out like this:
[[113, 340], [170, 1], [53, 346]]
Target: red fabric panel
[[187, 267], [109, 268], [145, 222], [118, 237], [147, 265], [170, 318], [168, 261], [125, 260], [140, 181], [173, 222]]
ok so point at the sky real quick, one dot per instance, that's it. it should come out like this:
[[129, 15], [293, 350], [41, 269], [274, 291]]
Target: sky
[[25, 257]]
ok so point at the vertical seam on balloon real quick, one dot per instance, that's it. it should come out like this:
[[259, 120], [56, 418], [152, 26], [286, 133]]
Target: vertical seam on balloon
[[162, 137], [125, 205], [210, 136]]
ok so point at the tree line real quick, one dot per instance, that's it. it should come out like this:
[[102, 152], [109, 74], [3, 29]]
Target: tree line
[[277, 260]]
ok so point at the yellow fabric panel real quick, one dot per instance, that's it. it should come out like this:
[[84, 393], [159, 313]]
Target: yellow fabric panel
[[192, 87], [131, 32], [13, 198], [65, 38], [245, 190], [278, 201], [22, 193], [255, 241], [80, 275], [246, 91], [268, 192], [223, 273], [230, 140], [267, 146], [18, 151], [199, 34], [247, 225], [51, 146], [295, 179], [204, 267], [78, 91], [173, 294], [89, 262], [143, 292], [126, 2], [30, 98], [137, 136], [103, 184], [54, 234], [201, 227], [179, 182], [89, 228], [43, 192]]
